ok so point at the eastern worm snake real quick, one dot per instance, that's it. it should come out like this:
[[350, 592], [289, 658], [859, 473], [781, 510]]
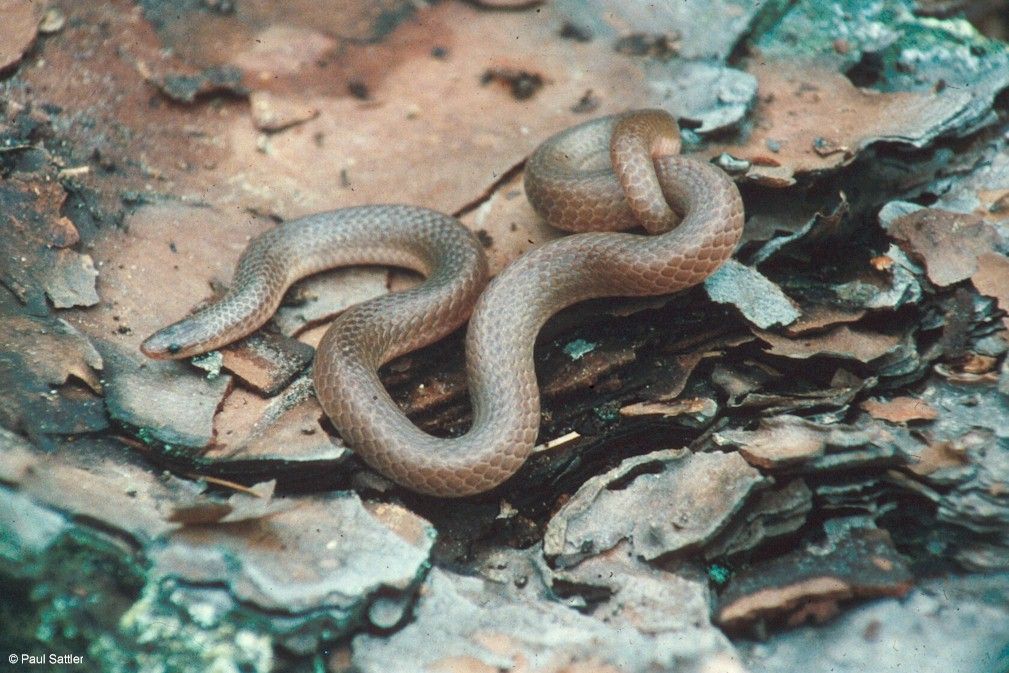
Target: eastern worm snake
[[602, 176]]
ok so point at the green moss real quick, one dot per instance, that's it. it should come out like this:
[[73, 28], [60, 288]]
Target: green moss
[[608, 412], [719, 574], [578, 348], [929, 51], [210, 362], [883, 45], [64, 598], [813, 28], [165, 638]]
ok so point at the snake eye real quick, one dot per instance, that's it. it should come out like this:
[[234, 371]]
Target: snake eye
[[160, 346]]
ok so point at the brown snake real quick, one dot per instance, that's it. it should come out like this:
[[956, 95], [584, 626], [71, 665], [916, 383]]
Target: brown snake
[[607, 174]]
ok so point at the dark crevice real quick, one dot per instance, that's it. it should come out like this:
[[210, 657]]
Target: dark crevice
[[491, 190]]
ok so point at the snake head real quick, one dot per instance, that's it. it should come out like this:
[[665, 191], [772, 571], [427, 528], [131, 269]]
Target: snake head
[[177, 341]]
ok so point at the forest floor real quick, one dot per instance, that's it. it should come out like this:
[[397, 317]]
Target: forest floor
[[802, 464]]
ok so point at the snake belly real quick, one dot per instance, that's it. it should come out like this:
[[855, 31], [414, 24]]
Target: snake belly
[[600, 177]]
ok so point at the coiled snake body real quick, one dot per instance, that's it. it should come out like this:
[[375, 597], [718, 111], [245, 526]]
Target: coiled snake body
[[608, 174]]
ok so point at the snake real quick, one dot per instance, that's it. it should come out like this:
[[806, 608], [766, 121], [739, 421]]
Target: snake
[[648, 220]]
